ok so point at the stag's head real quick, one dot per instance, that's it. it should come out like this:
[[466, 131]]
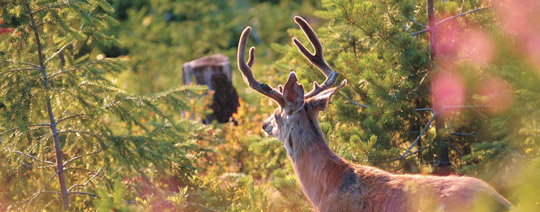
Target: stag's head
[[296, 118]]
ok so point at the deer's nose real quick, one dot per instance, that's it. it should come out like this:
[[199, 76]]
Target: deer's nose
[[265, 125]]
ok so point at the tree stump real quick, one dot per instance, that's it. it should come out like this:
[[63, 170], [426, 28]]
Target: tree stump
[[215, 72]]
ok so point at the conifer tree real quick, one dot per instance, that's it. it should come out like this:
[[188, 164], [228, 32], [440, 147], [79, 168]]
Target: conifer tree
[[375, 114], [66, 128], [386, 115]]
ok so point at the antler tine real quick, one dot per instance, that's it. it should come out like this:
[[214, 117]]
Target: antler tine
[[316, 59], [251, 58], [248, 74]]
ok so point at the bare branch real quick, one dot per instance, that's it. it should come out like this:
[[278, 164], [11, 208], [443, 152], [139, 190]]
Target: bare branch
[[50, 202], [462, 14], [80, 132], [20, 69], [480, 113], [421, 80], [84, 193], [41, 125], [25, 63], [463, 134], [33, 125], [419, 32], [30, 156], [416, 22], [69, 117], [110, 104], [463, 107], [354, 102], [419, 136], [56, 53], [448, 19], [8, 130], [35, 195], [88, 181], [75, 158], [412, 153], [51, 192], [102, 175], [423, 109], [455, 149]]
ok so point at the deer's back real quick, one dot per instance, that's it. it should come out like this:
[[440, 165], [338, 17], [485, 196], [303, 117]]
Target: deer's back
[[371, 189]]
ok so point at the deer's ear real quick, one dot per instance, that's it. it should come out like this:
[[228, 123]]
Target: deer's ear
[[293, 94], [320, 101]]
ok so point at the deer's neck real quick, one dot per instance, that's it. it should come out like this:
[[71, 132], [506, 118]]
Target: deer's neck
[[319, 170]]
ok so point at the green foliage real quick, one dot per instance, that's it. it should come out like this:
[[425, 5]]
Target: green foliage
[[390, 73], [112, 74], [104, 132], [366, 43], [114, 201], [181, 31]]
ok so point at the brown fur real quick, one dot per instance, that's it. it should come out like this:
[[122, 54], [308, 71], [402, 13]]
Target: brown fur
[[333, 184]]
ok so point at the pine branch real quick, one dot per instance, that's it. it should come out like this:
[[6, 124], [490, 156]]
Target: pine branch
[[72, 69], [350, 19], [419, 136], [55, 5]]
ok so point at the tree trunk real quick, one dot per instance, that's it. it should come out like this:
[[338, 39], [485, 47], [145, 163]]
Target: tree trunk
[[443, 161], [215, 72], [52, 121]]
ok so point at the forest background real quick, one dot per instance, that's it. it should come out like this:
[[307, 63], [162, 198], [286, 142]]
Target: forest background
[[92, 110]]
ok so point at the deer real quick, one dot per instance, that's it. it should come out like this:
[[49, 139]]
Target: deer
[[330, 182]]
